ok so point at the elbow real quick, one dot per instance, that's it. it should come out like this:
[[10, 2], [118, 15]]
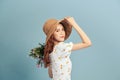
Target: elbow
[[89, 43], [50, 72]]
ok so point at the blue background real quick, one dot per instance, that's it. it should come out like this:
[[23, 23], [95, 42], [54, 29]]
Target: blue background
[[21, 24]]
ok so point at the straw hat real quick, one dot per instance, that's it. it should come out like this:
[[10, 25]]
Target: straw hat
[[51, 24]]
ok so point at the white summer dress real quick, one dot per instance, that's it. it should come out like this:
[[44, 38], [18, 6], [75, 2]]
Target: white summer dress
[[60, 61]]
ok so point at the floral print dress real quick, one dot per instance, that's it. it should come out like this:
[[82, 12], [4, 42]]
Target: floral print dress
[[60, 61]]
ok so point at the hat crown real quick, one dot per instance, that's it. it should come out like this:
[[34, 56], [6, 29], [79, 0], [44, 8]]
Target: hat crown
[[48, 24]]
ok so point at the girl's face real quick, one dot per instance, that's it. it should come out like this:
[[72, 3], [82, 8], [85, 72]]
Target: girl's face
[[59, 34]]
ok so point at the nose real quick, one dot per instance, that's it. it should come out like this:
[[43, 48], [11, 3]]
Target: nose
[[62, 32]]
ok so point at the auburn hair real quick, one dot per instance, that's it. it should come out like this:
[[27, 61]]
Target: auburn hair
[[48, 49]]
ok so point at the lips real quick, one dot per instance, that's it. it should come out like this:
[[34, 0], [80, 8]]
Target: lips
[[62, 36]]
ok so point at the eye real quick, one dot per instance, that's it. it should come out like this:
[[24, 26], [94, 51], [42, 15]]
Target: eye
[[57, 30]]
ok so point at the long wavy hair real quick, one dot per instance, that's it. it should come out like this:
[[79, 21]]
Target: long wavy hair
[[50, 44], [48, 49]]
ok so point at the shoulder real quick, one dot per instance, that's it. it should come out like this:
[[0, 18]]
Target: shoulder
[[64, 45], [68, 44]]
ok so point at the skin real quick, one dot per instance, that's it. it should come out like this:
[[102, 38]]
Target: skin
[[85, 39], [60, 32]]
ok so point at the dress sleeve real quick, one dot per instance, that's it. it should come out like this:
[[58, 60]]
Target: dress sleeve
[[66, 49], [68, 46]]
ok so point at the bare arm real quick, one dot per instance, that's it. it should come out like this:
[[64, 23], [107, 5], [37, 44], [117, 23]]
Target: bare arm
[[85, 40], [50, 72]]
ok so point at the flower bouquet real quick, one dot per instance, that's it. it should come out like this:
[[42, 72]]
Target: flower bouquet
[[38, 54]]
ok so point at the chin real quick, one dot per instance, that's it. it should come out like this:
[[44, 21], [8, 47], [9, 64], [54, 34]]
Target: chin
[[62, 40]]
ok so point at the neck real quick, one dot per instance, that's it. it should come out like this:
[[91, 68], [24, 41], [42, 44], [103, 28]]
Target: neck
[[56, 42]]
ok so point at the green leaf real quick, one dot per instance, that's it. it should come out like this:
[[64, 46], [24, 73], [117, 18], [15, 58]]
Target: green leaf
[[38, 53]]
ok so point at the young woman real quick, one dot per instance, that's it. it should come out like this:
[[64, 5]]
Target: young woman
[[57, 52]]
